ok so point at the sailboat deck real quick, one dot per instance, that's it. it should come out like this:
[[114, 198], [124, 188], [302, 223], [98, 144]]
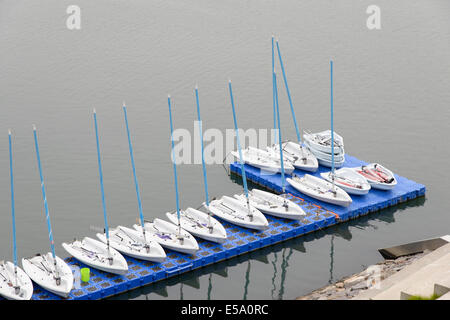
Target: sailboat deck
[[240, 240]]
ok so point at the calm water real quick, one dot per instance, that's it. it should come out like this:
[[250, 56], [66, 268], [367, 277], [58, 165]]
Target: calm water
[[392, 103]]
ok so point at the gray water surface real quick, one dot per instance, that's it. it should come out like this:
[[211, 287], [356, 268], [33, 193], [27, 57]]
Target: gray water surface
[[392, 103]]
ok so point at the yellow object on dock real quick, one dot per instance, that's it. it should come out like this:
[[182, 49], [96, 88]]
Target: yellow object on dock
[[85, 274]]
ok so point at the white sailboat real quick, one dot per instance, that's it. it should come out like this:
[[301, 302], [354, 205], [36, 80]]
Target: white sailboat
[[48, 270], [328, 163], [316, 187], [348, 180], [324, 156], [298, 155], [198, 223], [273, 204], [93, 252], [129, 241], [98, 255], [170, 236], [267, 202], [167, 234], [321, 142], [378, 176], [320, 189], [263, 159], [320, 145], [238, 212], [15, 284], [133, 244]]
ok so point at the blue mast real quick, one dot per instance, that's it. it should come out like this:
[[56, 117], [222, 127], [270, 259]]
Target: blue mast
[[174, 161], [297, 131], [130, 147], [201, 140], [332, 129], [101, 179], [12, 203], [273, 96], [279, 131], [138, 195], [244, 177], [44, 197]]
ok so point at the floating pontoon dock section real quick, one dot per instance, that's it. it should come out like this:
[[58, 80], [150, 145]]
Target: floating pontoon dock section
[[240, 240], [373, 201]]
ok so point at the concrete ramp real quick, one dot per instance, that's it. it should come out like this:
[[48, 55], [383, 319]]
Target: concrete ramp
[[414, 247], [424, 277], [422, 282]]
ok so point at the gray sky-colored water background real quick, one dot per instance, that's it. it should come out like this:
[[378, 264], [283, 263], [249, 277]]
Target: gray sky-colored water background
[[392, 102]]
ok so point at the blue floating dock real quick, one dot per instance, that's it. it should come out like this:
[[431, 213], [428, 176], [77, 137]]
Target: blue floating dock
[[240, 241], [373, 201]]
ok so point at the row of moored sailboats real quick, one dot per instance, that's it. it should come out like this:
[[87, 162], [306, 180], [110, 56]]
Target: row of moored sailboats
[[324, 148], [148, 240]]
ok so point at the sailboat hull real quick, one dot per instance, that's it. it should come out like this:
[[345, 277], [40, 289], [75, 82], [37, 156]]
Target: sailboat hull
[[377, 183], [236, 212], [349, 181], [33, 267], [167, 235], [131, 243], [196, 223], [299, 156], [315, 141], [321, 190], [272, 204], [8, 283], [95, 254], [264, 160]]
